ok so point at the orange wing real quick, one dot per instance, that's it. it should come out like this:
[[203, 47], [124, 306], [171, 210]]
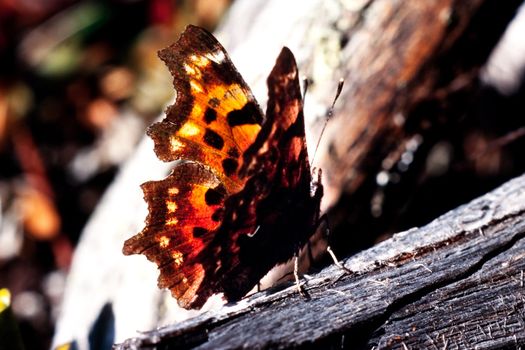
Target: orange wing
[[184, 211], [215, 118], [278, 209], [242, 200]]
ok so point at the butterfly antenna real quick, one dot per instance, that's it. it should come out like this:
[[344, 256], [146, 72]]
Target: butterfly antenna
[[306, 82], [329, 115]]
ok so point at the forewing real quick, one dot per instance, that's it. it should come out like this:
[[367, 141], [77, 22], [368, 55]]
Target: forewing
[[215, 117], [274, 214], [281, 144]]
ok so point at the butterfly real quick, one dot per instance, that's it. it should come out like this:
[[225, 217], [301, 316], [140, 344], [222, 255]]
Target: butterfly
[[241, 197]]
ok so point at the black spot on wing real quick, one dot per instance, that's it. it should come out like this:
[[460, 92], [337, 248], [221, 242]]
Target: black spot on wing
[[211, 138], [229, 165], [214, 196], [199, 232], [210, 115], [249, 114]]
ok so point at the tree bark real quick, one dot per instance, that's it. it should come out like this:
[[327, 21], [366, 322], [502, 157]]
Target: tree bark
[[411, 74]]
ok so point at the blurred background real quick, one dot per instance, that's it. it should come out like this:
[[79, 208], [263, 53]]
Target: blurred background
[[79, 83]]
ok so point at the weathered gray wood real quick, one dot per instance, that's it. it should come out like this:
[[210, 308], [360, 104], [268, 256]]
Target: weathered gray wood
[[456, 282], [483, 309]]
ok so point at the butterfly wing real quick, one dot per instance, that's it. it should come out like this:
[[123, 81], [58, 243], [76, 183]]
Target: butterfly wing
[[240, 179], [214, 120], [185, 210], [215, 117], [276, 212]]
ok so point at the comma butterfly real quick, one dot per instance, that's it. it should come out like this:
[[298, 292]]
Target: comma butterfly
[[241, 199]]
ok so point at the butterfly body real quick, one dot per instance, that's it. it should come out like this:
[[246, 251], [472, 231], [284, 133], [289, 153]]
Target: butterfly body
[[242, 201]]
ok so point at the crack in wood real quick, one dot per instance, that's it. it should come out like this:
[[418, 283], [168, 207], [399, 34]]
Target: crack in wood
[[514, 220]]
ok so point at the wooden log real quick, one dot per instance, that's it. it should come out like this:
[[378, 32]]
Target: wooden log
[[411, 72], [457, 282], [410, 68]]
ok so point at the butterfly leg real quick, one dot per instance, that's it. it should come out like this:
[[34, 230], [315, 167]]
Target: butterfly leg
[[296, 275], [324, 219], [336, 261]]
